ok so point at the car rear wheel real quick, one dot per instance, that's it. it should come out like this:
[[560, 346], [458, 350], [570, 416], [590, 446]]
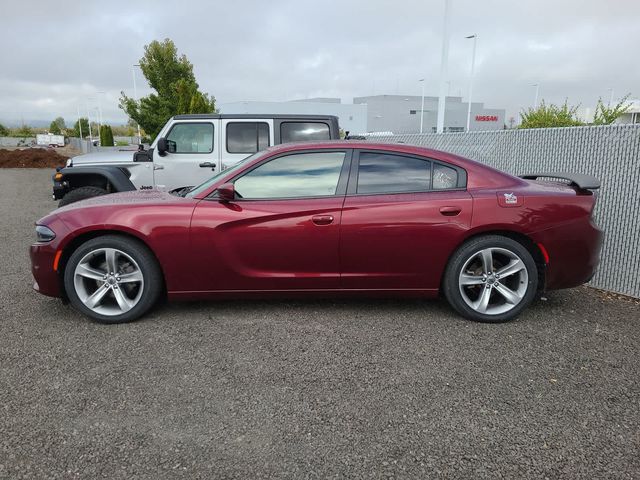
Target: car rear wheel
[[491, 279], [112, 279], [81, 193]]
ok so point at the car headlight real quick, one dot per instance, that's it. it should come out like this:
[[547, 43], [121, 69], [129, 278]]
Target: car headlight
[[69, 162], [44, 234]]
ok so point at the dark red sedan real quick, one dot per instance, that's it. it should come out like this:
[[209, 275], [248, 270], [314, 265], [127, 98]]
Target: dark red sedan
[[327, 219]]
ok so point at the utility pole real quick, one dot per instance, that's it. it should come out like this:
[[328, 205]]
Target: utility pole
[[443, 69], [473, 65]]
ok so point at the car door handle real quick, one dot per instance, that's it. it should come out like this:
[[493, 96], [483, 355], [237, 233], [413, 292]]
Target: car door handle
[[208, 165], [450, 211], [158, 167], [322, 219]]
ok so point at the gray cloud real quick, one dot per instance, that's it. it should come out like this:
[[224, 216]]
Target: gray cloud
[[58, 55]]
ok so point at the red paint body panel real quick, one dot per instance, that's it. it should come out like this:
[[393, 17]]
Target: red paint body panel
[[395, 244], [400, 241], [266, 245]]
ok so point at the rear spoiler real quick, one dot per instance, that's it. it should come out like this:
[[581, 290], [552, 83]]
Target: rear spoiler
[[584, 182]]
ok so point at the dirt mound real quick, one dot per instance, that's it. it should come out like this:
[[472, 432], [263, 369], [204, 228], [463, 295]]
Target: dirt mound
[[31, 158]]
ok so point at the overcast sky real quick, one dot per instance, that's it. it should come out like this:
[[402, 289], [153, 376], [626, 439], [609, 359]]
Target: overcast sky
[[57, 55]]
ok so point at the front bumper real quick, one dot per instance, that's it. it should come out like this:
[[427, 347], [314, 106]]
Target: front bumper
[[48, 281], [60, 189]]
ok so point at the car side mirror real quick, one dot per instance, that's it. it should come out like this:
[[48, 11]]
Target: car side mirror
[[162, 146], [226, 192]]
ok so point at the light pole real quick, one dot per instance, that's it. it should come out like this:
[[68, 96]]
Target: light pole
[[443, 69], [89, 121], [535, 102], [100, 109], [473, 66], [79, 126], [135, 97], [611, 96], [422, 105]]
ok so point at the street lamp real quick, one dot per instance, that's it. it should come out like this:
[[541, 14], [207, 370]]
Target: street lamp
[[535, 102], [135, 97], [611, 96], [100, 108], [473, 65], [422, 107], [89, 121], [443, 69]]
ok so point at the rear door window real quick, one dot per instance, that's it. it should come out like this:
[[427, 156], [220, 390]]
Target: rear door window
[[303, 131], [389, 173], [247, 137]]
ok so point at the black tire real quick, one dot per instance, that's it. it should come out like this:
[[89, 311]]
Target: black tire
[[81, 193], [147, 263], [451, 286]]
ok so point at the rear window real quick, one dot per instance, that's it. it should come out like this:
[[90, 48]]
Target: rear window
[[303, 131]]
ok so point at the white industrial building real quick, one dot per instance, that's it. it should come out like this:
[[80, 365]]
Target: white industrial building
[[383, 113]]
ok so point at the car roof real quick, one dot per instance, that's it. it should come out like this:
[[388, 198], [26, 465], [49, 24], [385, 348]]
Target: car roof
[[365, 145], [210, 116]]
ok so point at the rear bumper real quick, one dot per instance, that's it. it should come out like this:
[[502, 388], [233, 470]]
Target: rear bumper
[[574, 253]]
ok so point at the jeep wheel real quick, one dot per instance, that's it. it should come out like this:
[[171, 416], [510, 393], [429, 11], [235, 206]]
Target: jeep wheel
[[81, 193]]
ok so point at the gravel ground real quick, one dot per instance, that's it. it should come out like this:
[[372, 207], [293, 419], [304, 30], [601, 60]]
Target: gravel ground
[[309, 389]]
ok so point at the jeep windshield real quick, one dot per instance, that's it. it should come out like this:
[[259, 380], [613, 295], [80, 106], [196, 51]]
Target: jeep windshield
[[203, 186]]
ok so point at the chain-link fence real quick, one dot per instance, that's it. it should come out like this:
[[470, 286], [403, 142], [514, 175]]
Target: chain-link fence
[[611, 153]]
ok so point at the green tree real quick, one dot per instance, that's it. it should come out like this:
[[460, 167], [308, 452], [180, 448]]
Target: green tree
[[172, 78], [606, 114], [546, 116], [106, 136], [24, 131], [4, 131], [59, 121], [55, 128], [84, 122]]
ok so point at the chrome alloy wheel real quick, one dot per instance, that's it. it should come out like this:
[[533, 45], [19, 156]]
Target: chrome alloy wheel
[[108, 281], [493, 281]]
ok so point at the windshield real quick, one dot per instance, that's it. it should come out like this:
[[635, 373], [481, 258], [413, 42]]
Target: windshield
[[204, 186]]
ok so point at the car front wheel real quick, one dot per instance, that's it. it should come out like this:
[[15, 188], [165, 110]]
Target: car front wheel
[[112, 279], [491, 279]]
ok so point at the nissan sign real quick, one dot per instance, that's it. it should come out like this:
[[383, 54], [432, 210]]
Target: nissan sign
[[486, 118]]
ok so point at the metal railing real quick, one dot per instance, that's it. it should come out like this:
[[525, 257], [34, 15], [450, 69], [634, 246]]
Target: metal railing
[[611, 153]]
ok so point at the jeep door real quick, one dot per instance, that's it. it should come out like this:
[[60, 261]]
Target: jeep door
[[192, 156]]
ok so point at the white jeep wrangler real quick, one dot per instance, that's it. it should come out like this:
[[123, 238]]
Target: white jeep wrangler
[[188, 150]]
